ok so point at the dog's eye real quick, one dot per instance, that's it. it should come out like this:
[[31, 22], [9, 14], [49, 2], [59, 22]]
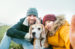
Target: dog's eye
[[32, 28], [39, 28]]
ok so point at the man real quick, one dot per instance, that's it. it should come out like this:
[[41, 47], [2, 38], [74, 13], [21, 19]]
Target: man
[[19, 32]]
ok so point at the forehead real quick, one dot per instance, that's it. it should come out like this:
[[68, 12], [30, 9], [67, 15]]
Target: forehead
[[49, 21], [37, 26]]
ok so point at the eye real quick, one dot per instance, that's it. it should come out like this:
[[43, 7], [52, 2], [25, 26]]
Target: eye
[[32, 28], [39, 28]]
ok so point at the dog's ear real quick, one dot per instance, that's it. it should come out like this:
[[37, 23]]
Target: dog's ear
[[43, 34], [30, 31], [38, 21]]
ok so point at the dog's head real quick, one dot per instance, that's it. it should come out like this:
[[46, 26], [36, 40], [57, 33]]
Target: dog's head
[[37, 31]]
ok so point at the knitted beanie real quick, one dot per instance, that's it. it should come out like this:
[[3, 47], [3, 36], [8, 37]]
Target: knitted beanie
[[50, 17], [32, 11]]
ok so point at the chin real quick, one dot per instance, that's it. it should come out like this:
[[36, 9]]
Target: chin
[[31, 23]]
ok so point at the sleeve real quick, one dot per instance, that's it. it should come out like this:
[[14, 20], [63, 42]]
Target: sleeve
[[15, 32], [64, 34]]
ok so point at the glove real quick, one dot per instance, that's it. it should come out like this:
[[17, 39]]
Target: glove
[[27, 37]]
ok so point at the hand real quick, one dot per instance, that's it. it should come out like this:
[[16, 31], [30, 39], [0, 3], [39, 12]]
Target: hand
[[35, 18], [72, 32], [27, 37], [38, 21]]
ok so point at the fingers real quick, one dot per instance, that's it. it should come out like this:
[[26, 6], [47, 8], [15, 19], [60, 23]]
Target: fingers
[[27, 36], [73, 23], [72, 33]]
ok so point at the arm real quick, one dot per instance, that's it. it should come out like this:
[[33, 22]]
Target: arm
[[15, 32]]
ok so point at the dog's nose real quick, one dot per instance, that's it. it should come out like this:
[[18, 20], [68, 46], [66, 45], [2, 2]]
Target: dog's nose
[[33, 33]]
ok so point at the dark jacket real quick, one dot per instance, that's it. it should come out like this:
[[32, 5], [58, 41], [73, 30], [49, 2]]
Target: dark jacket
[[18, 30]]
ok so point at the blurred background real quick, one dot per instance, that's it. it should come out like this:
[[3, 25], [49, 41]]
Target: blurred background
[[11, 11]]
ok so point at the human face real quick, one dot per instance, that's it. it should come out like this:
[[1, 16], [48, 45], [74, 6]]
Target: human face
[[31, 19], [48, 25]]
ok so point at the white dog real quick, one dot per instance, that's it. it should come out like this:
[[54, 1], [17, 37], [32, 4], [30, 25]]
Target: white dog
[[37, 31]]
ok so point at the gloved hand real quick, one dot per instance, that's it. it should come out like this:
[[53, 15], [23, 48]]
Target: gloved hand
[[72, 32], [27, 36]]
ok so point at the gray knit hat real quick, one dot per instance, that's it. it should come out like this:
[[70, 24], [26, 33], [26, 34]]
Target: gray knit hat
[[32, 11]]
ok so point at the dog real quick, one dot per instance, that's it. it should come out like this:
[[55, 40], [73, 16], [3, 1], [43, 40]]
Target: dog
[[37, 31]]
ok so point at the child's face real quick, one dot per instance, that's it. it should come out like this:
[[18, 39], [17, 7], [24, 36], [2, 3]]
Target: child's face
[[49, 25]]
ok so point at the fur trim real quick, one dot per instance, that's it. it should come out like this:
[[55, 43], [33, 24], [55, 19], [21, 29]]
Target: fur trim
[[60, 20]]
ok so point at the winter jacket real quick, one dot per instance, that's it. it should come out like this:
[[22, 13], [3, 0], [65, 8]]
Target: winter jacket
[[19, 30], [61, 38]]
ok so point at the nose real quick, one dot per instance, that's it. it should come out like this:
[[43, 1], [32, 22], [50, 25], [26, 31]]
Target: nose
[[33, 33]]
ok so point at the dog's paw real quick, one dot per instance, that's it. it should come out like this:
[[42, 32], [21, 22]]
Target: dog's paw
[[27, 36]]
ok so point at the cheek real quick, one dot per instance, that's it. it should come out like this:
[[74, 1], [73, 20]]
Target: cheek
[[47, 25], [38, 32], [28, 19], [34, 17]]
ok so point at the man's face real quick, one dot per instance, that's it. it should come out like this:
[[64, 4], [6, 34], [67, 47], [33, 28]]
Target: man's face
[[31, 19]]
